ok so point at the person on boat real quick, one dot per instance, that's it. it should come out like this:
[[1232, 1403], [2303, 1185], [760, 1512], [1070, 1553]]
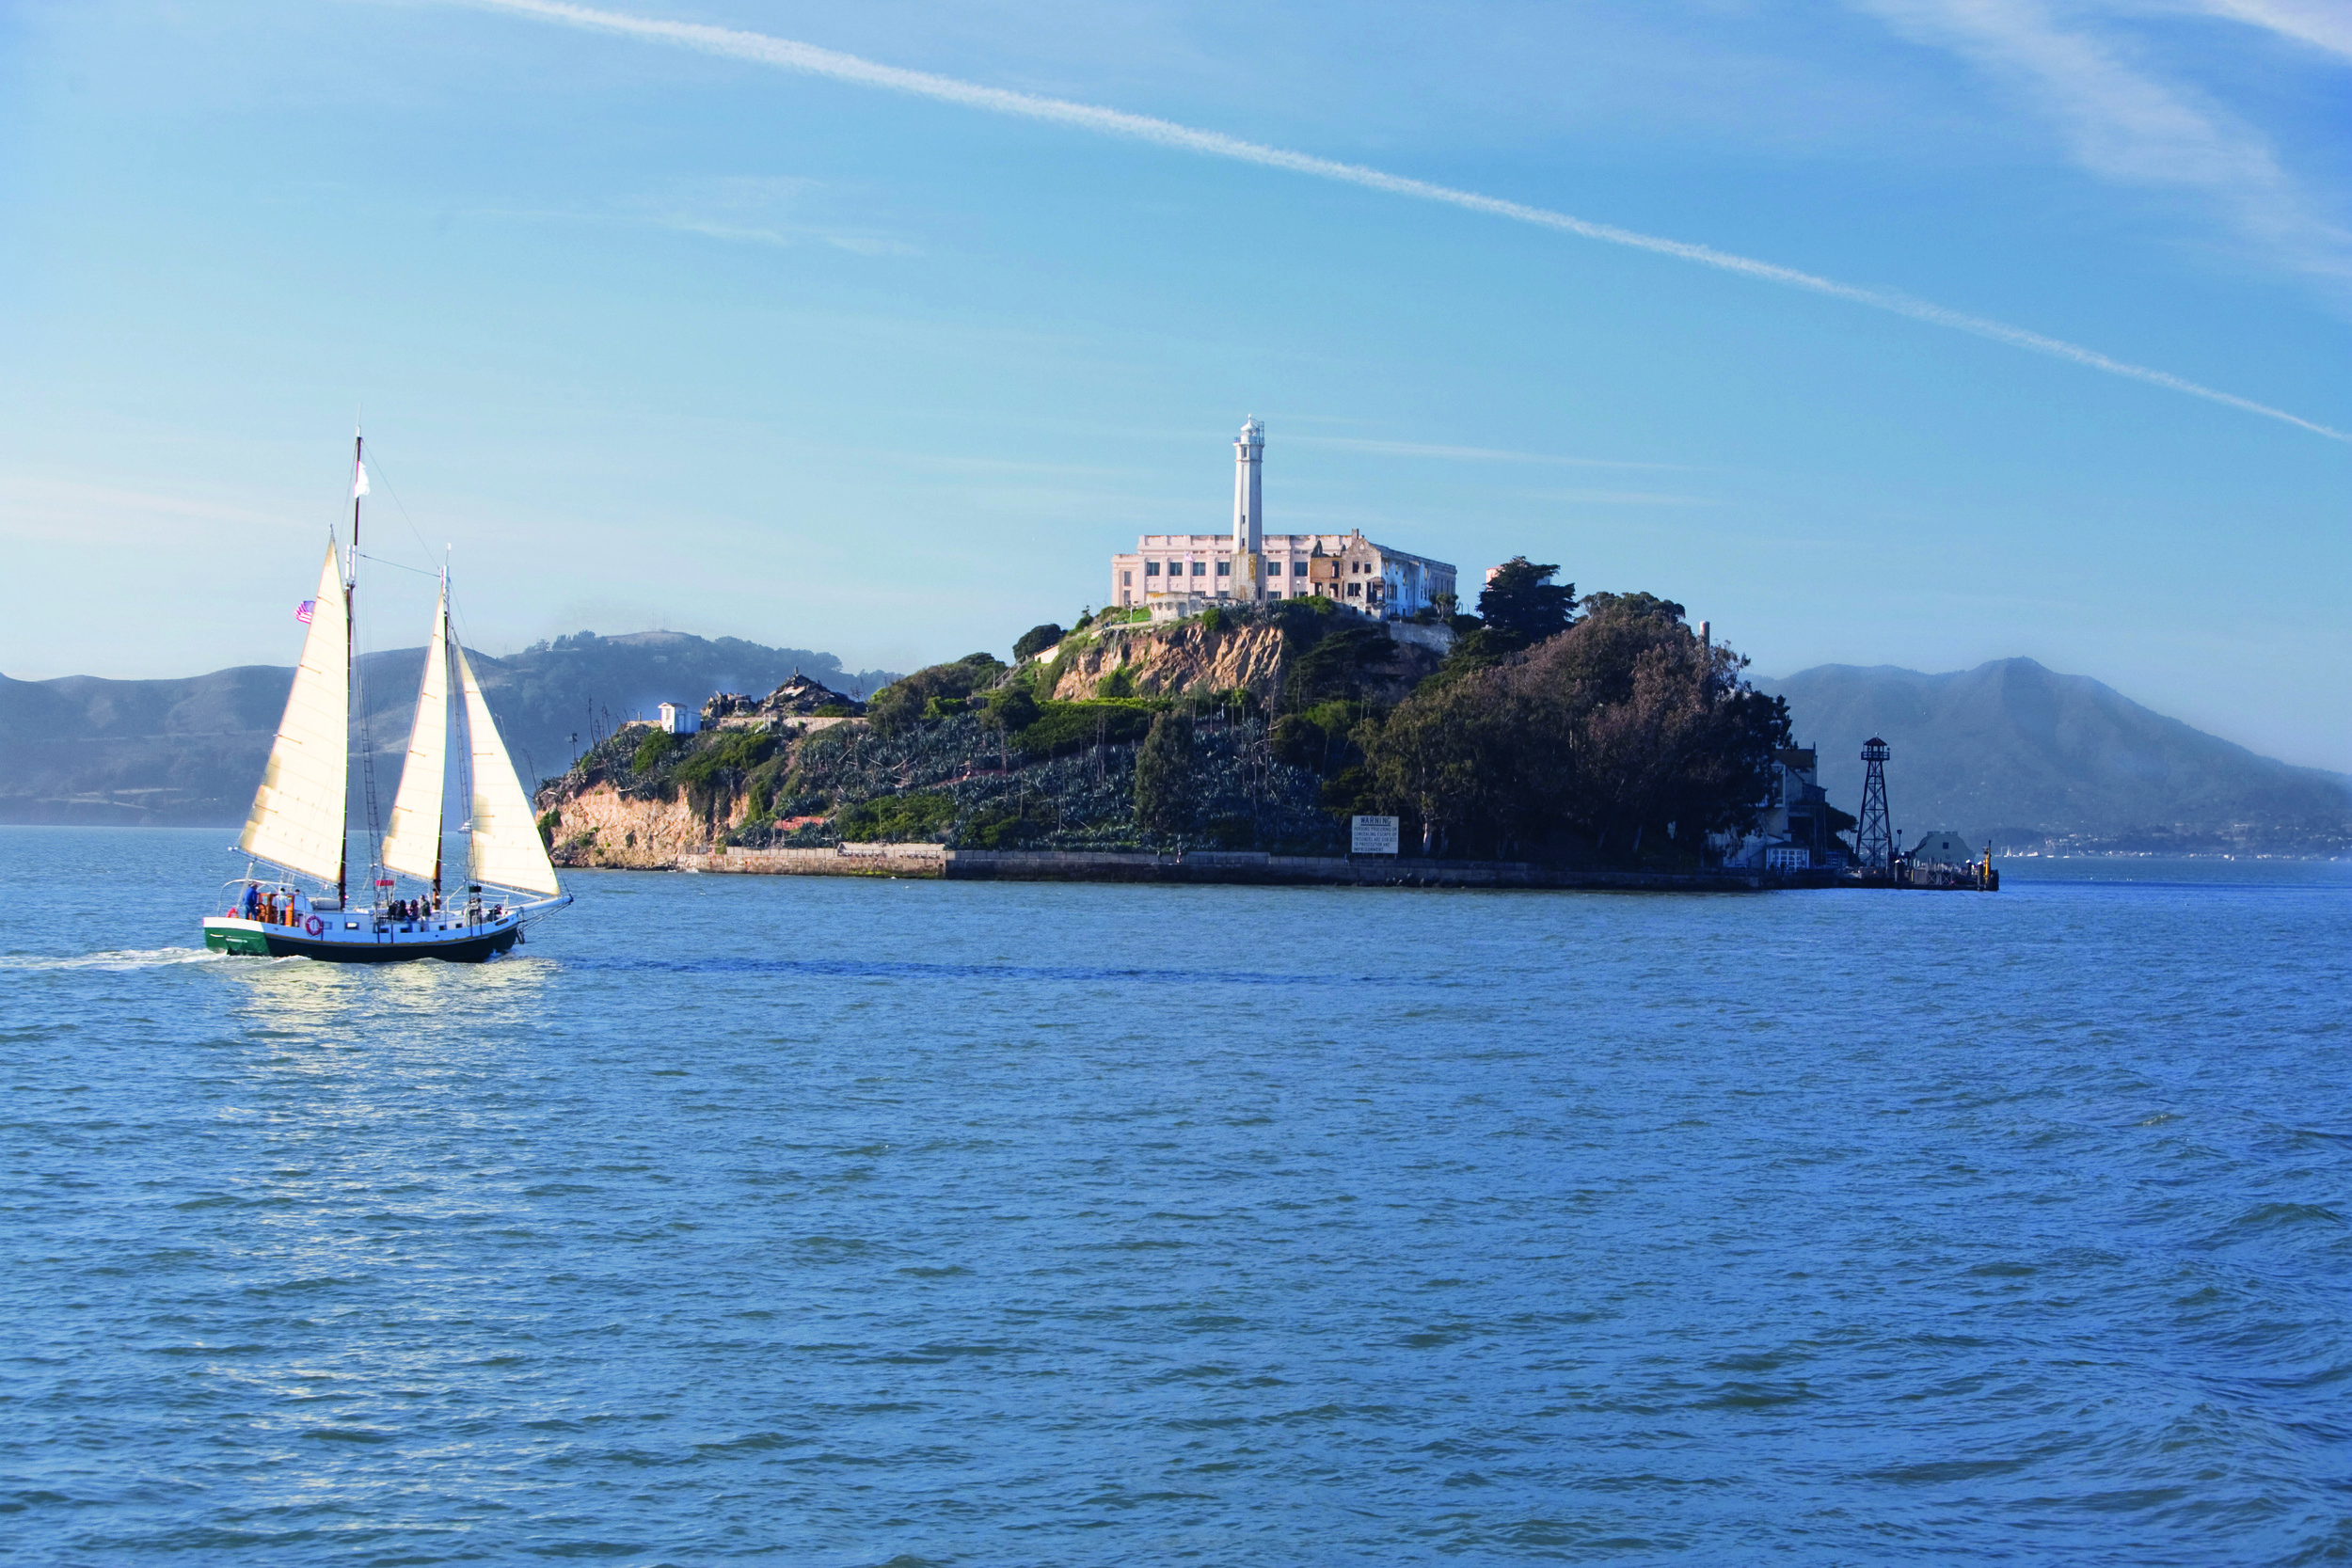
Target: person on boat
[[252, 901]]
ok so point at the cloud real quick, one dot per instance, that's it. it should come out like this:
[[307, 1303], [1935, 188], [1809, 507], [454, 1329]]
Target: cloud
[[2322, 23], [2125, 125], [762, 49]]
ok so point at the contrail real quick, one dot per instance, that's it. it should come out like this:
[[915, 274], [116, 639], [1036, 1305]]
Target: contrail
[[761, 49]]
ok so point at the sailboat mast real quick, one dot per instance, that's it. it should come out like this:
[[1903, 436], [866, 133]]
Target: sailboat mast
[[440, 842], [351, 577]]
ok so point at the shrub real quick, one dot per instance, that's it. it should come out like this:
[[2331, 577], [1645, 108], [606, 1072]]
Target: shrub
[[897, 818], [901, 703], [1012, 707], [1061, 727], [651, 750], [1037, 640], [1211, 619], [549, 822], [1003, 826], [1119, 683]]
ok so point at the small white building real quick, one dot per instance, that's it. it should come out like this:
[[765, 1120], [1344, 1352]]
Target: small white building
[[1943, 849], [680, 719]]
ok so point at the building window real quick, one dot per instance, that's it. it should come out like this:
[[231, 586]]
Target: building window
[[1126, 580], [1200, 568], [1355, 590], [1225, 568], [1151, 568], [1298, 568]]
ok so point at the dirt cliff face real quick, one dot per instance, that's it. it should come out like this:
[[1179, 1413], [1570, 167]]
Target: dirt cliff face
[[1184, 657], [601, 827]]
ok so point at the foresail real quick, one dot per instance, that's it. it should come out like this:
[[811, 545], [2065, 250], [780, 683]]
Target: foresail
[[413, 843], [297, 817], [506, 848]]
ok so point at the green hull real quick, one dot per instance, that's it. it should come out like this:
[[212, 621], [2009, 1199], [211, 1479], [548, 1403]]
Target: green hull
[[277, 941], [252, 944]]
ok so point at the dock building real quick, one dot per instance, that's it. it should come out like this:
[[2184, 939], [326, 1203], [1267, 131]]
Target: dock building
[[1181, 574]]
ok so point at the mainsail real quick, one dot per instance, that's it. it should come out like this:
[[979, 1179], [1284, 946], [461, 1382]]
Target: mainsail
[[413, 843], [297, 819], [506, 847]]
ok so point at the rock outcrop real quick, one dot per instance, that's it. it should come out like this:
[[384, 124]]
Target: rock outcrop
[[1188, 657], [598, 825], [1163, 661]]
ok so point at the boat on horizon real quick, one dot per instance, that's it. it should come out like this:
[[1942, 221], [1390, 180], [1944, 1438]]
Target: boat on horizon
[[300, 824]]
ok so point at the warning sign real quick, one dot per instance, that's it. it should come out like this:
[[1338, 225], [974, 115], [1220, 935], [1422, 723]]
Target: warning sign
[[1373, 835]]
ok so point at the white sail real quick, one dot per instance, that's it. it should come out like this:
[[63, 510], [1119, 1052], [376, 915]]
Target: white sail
[[506, 848], [298, 818], [413, 843]]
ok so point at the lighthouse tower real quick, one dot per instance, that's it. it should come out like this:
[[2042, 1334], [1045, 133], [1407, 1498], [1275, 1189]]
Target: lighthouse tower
[[1248, 515]]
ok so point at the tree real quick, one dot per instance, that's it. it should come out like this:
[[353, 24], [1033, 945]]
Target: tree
[[903, 703], [1598, 743], [1523, 606], [1037, 640], [1164, 776], [1011, 708]]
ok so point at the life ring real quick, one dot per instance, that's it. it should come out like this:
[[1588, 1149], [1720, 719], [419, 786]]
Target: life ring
[[314, 925]]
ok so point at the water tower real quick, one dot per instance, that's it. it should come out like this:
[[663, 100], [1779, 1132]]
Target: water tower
[[1874, 841]]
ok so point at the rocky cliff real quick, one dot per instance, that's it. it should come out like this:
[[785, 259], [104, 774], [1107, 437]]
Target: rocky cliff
[[598, 825], [1190, 656]]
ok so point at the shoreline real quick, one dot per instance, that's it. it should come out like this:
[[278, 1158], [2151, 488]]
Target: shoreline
[[1246, 867]]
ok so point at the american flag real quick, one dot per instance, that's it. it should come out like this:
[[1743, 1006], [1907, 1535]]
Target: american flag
[[304, 610]]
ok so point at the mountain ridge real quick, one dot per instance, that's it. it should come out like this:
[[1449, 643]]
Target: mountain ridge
[[188, 751], [2023, 756]]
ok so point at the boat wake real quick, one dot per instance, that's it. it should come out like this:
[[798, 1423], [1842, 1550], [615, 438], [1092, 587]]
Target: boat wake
[[151, 958]]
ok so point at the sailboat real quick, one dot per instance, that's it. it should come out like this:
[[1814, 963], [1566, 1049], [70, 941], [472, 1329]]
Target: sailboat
[[300, 823]]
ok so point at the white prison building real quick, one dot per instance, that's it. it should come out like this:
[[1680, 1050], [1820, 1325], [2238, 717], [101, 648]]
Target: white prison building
[[1180, 572]]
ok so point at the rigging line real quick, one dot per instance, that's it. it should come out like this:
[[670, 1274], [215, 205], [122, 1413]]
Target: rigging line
[[397, 565], [393, 491]]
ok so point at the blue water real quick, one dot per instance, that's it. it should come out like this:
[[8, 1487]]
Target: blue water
[[823, 1222]]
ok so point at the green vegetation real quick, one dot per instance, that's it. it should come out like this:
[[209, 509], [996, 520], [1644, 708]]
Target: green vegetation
[[1164, 775], [549, 822], [657, 745], [1117, 684], [896, 818], [1521, 607], [1063, 727], [1621, 739], [1037, 640], [935, 693]]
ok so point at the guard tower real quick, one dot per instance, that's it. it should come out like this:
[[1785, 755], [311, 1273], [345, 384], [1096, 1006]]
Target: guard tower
[[1874, 841], [1248, 515]]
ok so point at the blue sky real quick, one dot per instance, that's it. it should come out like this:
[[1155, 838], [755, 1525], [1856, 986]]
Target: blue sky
[[659, 335]]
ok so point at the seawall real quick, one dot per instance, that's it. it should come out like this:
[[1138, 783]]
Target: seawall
[[1205, 866]]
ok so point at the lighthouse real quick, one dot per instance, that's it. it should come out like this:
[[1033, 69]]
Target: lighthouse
[[1248, 515]]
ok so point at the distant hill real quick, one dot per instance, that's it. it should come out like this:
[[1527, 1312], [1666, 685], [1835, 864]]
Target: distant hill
[[188, 752], [2025, 756]]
